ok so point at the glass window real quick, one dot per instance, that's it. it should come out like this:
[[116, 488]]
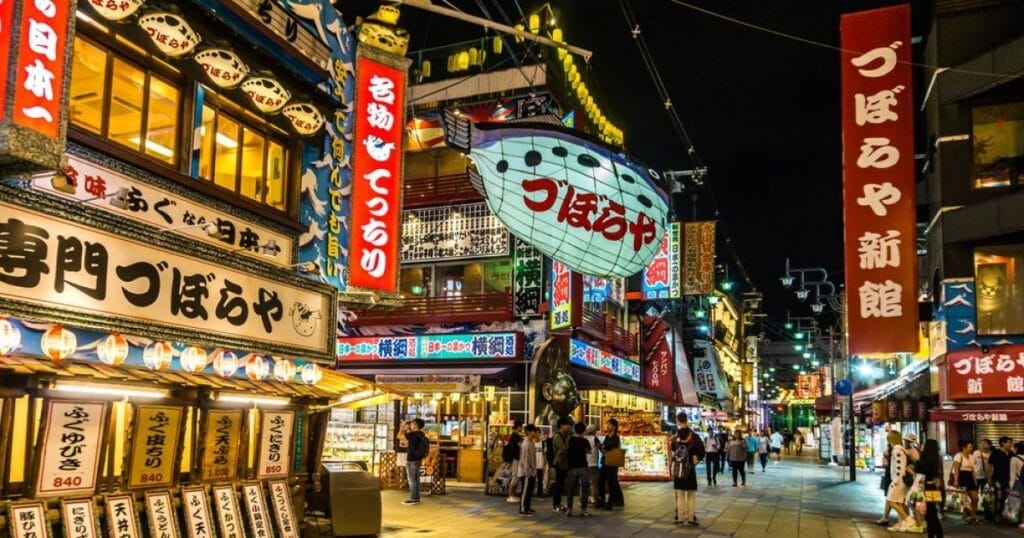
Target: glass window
[[497, 276], [999, 289], [126, 104], [415, 281], [252, 165], [277, 164], [162, 120], [206, 143], [88, 88], [998, 145], [225, 168]]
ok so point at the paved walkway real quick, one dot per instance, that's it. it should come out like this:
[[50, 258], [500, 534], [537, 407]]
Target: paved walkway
[[797, 498]]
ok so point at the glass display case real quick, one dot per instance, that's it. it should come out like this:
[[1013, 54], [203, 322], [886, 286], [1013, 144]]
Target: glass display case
[[646, 457], [349, 439]]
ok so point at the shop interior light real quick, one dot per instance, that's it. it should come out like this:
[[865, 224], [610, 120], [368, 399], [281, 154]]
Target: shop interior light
[[273, 401], [154, 146], [489, 393], [474, 397], [121, 391], [439, 396], [417, 395], [455, 396]]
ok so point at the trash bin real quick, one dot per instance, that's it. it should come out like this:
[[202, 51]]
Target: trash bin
[[354, 508]]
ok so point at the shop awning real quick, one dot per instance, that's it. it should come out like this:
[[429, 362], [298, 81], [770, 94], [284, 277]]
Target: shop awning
[[993, 412], [590, 380], [888, 388]]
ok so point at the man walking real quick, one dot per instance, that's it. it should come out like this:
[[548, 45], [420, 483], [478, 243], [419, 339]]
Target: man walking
[[527, 469], [687, 451], [510, 455], [999, 460], [579, 476], [723, 442], [592, 469], [777, 441], [711, 460], [419, 445], [560, 443]]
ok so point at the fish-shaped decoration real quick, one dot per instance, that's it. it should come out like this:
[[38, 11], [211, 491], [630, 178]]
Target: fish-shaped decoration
[[575, 199]]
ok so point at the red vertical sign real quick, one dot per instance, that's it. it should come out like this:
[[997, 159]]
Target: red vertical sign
[[878, 186], [377, 175], [6, 35], [39, 79], [658, 370]]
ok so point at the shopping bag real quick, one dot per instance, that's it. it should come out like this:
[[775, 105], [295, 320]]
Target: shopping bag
[[954, 499], [987, 500], [1011, 510]]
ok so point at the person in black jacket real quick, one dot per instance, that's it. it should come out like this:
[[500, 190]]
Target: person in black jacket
[[510, 455], [608, 478], [419, 446], [685, 482], [930, 465]]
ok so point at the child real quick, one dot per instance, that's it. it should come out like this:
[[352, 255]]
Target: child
[[579, 476]]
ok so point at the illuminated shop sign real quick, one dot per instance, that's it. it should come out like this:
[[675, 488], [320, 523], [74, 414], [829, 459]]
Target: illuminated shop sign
[[431, 347], [577, 201], [561, 296], [588, 356], [284, 25], [451, 233], [979, 375], [662, 279], [170, 33], [699, 257], [527, 279]]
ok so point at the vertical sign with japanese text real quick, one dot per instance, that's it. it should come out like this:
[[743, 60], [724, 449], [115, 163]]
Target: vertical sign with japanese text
[[658, 370], [154, 455], [377, 175], [39, 79], [561, 296], [122, 520], [281, 500], [275, 447], [220, 444], [662, 278], [229, 519], [30, 518], [69, 454], [198, 518], [995, 374], [6, 38], [878, 181], [527, 279], [698, 257], [255, 506], [160, 514], [78, 518]]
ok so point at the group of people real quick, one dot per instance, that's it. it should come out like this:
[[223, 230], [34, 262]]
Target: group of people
[[740, 451], [997, 470], [581, 464]]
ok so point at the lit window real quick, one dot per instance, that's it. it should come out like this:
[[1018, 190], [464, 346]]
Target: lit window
[[999, 289], [118, 100], [998, 145]]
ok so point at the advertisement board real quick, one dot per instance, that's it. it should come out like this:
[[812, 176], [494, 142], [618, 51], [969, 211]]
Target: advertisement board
[[490, 346], [593, 358]]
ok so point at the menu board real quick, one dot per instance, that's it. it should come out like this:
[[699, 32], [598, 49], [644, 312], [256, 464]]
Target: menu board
[[276, 430], [78, 518], [646, 457], [220, 444], [155, 432], [69, 454]]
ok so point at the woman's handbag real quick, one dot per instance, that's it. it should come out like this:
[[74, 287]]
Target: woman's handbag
[[615, 457]]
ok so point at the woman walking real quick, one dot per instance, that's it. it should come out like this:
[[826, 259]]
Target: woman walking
[[963, 477], [896, 496], [930, 465], [687, 450], [609, 474], [737, 454], [762, 449]]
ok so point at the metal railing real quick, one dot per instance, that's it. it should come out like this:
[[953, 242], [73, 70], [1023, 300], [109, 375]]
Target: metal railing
[[446, 190], [462, 309]]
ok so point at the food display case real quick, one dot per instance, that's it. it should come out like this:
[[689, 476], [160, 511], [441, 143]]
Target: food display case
[[646, 457], [348, 440]]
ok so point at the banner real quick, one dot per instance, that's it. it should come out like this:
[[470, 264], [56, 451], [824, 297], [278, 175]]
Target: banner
[[808, 386], [377, 175], [662, 278], [658, 369], [699, 257], [527, 279], [69, 450], [154, 456], [976, 375], [878, 181], [587, 356], [561, 296]]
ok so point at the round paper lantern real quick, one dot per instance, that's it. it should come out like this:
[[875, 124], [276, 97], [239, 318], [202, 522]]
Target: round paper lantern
[[10, 336], [311, 373], [266, 94], [157, 356], [170, 33], [304, 117], [224, 67], [193, 359], [257, 367], [116, 11], [113, 350], [284, 369], [58, 342], [225, 363]]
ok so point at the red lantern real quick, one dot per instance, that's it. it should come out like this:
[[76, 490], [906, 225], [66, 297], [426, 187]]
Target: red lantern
[[58, 342]]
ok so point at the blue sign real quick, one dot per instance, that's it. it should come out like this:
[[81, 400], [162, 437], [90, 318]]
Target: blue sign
[[588, 356], [844, 387], [491, 346]]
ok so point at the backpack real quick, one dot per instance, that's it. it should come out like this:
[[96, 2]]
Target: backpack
[[682, 464], [422, 447], [549, 451]]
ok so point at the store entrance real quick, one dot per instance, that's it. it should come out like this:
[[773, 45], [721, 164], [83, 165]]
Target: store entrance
[[456, 424]]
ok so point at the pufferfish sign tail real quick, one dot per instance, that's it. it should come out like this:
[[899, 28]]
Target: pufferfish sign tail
[[575, 199]]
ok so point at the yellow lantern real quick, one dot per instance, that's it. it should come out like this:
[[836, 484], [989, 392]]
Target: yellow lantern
[[534, 22], [311, 373], [556, 35], [193, 359], [438, 396], [497, 45], [10, 336], [489, 393], [474, 397], [451, 63], [474, 56], [157, 355], [225, 363], [113, 350], [455, 396], [521, 28], [417, 395], [425, 69], [462, 61], [284, 370], [567, 63], [58, 342]]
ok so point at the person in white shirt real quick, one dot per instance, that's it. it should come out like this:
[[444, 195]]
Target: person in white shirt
[[711, 459], [1016, 464], [777, 441], [896, 495], [595, 472], [963, 476], [542, 468]]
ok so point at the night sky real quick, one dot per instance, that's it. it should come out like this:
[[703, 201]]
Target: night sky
[[762, 112]]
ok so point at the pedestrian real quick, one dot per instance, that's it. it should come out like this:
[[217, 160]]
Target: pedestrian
[[963, 477], [930, 465], [798, 440], [687, 451], [723, 442], [1001, 477], [776, 442], [913, 457], [510, 455], [886, 480], [418, 447], [527, 469], [1016, 483], [560, 444], [542, 465], [592, 469], [737, 454], [763, 443], [711, 460], [896, 496], [579, 476], [787, 440], [614, 457], [751, 441], [983, 474]]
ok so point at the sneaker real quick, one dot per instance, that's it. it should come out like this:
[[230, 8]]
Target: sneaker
[[559, 509], [883, 522], [526, 512], [531, 511], [693, 523], [584, 514], [410, 502], [916, 529]]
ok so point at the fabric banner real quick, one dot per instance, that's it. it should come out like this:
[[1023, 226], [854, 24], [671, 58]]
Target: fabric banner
[[699, 257], [878, 187]]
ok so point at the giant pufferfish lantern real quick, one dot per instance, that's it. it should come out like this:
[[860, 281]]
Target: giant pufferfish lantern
[[575, 199]]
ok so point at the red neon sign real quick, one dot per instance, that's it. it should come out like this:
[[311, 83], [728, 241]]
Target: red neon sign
[[39, 79]]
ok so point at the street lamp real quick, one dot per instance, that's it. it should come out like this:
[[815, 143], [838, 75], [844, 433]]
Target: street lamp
[[802, 294]]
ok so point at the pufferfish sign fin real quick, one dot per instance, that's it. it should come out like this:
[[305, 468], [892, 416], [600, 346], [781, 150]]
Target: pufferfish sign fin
[[457, 131]]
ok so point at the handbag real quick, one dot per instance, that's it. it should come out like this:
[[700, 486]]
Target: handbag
[[615, 457], [1011, 509]]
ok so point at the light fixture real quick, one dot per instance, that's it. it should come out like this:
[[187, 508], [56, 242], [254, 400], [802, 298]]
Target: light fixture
[[788, 325], [489, 393], [700, 313], [121, 193], [311, 373], [284, 369], [170, 33], [802, 294], [210, 228], [234, 397], [818, 307], [474, 397], [266, 94], [157, 355], [154, 146], [455, 396], [10, 336], [713, 299], [796, 366], [257, 367], [798, 336], [113, 350], [305, 118], [57, 343], [225, 363], [123, 391], [787, 280], [438, 396], [269, 249], [798, 347], [807, 355], [727, 285], [815, 363], [223, 66], [356, 396], [193, 359], [417, 395]]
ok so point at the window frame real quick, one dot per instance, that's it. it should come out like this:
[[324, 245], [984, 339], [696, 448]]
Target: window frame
[[973, 111], [434, 291]]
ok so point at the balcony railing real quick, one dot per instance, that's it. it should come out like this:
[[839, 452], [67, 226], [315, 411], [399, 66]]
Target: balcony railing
[[597, 325], [427, 191], [464, 309]]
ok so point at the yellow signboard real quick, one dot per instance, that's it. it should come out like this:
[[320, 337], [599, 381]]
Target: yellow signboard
[[155, 440], [220, 444]]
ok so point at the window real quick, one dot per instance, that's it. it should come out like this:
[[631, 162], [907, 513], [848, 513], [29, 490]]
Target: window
[[113, 98], [457, 280], [999, 289], [242, 159], [998, 145]]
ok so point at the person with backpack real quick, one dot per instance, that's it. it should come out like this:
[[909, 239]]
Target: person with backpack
[[510, 456], [560, 461], [527, 469], [723, 442], [419, 445], [687, 451], [751, 441], [614, 457], [736, 451], [711, 460], [578, 478]]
